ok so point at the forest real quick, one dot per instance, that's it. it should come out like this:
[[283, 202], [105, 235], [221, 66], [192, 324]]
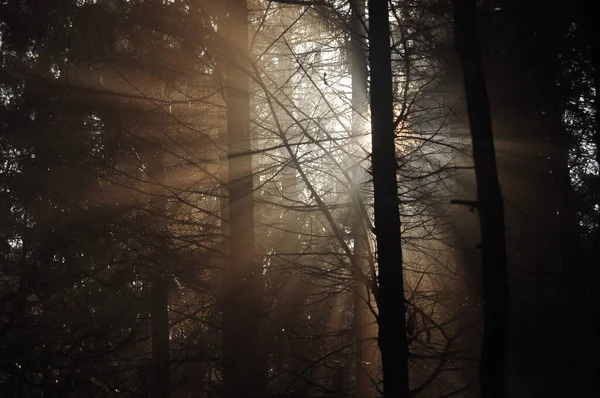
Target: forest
[[299, 198]]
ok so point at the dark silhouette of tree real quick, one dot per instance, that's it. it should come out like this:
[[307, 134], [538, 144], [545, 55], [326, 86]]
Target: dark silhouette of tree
[[391, 303], [489, 204]]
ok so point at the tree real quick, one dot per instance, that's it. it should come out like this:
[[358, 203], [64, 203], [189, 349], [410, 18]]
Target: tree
[[390, 292], [489, 202], [359, 234], [244, 360]]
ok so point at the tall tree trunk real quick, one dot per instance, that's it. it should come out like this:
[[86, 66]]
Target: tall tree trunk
[[489, 202], [392, 340], [359, 97], [244, 362], [594, 268], [596, 58], [159, 286]]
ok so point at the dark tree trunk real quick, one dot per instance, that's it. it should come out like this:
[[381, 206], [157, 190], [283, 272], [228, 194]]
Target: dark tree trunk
[[489, 202], [159, 286], [596, 57], [160, 335], [597, 141], [594, 267], [392, 340], [244, 361], [593, 14]]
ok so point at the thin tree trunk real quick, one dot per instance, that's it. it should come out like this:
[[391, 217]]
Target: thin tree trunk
[[596, 58], [594, 273], [160, 335], [359, 97], [159, 287], [244, 363], [593, 13], [392, 340], [489, 202]]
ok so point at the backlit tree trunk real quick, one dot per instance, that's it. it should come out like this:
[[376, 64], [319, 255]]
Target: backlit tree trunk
[[159, 282], [244, 362], [392, 340], [489, 202], [359, 97]]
